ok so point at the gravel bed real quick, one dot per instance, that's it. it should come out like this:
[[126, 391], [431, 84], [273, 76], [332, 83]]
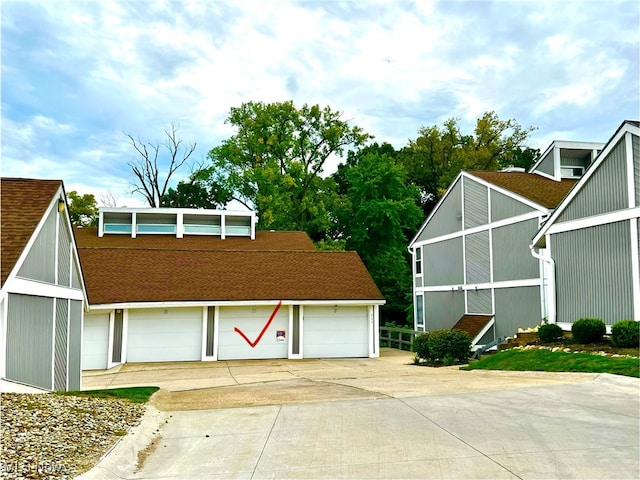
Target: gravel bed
[[54, 436]]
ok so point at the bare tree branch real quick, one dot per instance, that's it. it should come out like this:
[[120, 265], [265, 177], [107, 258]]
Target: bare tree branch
[[146, 171]]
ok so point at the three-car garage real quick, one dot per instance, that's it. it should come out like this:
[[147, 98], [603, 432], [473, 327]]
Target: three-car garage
[[273, 331]]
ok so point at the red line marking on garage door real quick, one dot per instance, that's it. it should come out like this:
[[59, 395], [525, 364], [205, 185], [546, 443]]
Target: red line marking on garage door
[[264, 329]]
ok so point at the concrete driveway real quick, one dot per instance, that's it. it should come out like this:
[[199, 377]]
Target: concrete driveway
[[374, 418]]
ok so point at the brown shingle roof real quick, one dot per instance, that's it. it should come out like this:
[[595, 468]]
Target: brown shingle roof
[[23, 202], [544, 191], [88, 237], [158, 268], [472, 324]]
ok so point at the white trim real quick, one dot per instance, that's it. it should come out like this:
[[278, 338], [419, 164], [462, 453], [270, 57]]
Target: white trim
[[232, 303], [622, 131], [595, 220], [203, 342], [500, 223], [545, 175], [112, 316], [40, 289], [81, 344], [530, 282], [374, 345], [515, 196], [4, 301], [435, 209], [27, 248], [301, 333], [483, 332], [630, 174]]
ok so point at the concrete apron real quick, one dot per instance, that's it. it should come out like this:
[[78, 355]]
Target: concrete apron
[[189, 385], [373, 418]]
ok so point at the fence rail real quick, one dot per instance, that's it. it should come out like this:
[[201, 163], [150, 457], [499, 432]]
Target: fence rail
[[399, 338]]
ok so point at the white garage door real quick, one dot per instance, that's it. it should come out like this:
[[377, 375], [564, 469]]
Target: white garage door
[[164, 335], [245, 332], [95, 342], [335, 332]]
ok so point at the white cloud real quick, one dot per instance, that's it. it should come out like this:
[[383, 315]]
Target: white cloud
[[78, 74]]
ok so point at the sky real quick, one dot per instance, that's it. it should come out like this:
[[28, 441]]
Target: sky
[[78, 75]]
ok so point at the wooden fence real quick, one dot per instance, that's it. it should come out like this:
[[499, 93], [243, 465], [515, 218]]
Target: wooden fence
[[399, 338]]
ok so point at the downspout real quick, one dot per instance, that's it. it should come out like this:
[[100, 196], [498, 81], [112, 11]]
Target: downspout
[[551, 285]]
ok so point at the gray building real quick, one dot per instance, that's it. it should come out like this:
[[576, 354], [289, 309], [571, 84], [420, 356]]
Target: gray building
[[591, 241], [472, 266], [42, 294]]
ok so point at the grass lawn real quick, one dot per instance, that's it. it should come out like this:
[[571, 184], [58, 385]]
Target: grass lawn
[[133, 394], [547, 361]]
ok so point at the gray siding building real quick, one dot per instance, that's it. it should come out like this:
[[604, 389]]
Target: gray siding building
[[42, 295], [472, 257], [592, 239]]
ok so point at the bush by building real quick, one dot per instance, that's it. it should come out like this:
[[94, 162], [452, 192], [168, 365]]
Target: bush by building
[[588, 330]]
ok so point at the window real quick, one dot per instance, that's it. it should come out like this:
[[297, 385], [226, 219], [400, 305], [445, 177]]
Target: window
[[419, 311], [572, 172], [419, 261]]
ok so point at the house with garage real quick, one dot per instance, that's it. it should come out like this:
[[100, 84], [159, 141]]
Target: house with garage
[[590, 243], [42, 294], [472, 266], [203, 285]]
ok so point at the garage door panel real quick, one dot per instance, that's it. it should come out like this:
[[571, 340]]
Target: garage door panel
[[336, 332], [95, 342], [164, 335], [251, 321]]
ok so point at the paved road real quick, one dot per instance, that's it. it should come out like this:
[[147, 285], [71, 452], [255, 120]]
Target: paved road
[[582, 427]]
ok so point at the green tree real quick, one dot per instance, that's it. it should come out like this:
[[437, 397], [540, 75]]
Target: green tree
[[83, 209], [275, 160], [198, 191], [378, 213], [438, 154]]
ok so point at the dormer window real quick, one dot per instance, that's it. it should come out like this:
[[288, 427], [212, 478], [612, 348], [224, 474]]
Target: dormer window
[[176, 221], [572, 172]]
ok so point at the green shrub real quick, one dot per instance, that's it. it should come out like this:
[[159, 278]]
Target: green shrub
[[625, 334], [420, 346], [588, 330], [452, 343], [549, 332]]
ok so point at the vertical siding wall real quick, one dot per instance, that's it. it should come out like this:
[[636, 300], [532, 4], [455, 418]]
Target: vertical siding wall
[[476, 211], [606, 190], [479, 301], [442, 263], [61, 333], [512, 259], [477, 257], [75, 344], [547, 164], [503, 207], [448, 217], [40, 263], [64, 253], [516, 308], [443, 309], [29, 340], [593, 273]]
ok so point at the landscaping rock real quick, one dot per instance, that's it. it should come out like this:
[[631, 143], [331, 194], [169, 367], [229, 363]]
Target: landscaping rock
[[53, 436]]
